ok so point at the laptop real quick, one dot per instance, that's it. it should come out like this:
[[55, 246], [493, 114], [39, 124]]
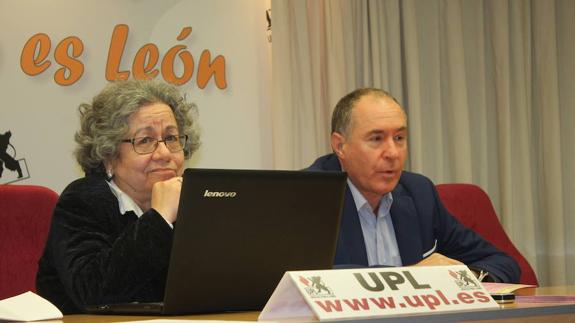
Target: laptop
[[238, 231]]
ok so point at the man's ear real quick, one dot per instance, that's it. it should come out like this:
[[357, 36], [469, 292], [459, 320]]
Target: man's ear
[[337, 142]]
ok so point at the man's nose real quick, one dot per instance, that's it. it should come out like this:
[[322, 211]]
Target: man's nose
[[390, 150]]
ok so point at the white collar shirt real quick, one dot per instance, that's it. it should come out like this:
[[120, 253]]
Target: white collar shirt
[[125, 202]]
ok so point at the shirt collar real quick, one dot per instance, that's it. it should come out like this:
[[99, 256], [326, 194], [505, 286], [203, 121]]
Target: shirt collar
[[361, 202], [125, 202]]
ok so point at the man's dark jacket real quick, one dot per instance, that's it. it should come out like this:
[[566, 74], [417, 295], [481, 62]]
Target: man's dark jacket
[[421, 224]]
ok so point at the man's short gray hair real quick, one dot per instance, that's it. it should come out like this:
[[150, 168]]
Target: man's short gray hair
[[104, 122], [341, 116]]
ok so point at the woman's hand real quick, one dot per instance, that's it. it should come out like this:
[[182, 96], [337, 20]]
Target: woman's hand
[[166, 198]]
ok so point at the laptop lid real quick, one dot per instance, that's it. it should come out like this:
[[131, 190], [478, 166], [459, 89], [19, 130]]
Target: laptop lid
[[238, 231]]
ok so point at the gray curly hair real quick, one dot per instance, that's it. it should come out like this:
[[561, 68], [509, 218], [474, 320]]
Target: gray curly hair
[[104, 122]]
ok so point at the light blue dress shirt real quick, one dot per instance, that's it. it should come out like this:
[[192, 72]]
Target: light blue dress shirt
[[378, 232]]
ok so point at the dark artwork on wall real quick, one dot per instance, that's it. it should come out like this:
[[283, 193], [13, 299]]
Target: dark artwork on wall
[[9, 162], [269, 27]]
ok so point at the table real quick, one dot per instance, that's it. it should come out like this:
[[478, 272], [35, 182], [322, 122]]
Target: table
[[517, 312], [239, 316]]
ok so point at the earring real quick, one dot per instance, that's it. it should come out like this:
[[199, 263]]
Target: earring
[[109, 173]]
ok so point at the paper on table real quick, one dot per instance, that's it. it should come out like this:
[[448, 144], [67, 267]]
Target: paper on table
[[503, 288], [28, 307]]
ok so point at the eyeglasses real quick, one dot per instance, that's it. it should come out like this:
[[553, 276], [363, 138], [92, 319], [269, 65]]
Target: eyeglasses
[[147, 145]]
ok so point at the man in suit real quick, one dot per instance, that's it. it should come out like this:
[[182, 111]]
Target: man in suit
[[394, 217]]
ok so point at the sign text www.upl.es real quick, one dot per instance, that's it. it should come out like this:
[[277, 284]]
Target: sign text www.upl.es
[[426, 296], [365, 292]]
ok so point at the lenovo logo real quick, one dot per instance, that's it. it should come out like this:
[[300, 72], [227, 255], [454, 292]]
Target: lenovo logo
[[208, 193]]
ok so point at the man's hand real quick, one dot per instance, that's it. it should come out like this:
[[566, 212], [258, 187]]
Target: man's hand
[[437, 259]]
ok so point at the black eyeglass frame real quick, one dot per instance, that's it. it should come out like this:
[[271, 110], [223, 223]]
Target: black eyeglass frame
[[180, 137]]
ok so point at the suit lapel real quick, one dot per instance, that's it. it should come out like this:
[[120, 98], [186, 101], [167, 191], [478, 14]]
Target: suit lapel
[[351, 242], [406, 227]]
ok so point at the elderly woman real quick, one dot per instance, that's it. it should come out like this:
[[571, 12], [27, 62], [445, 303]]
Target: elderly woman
[[111, 232]]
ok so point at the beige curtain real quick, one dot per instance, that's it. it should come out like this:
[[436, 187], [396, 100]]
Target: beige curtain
[[489, 88]]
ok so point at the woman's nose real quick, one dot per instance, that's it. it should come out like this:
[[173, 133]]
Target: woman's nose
[[162, 150]]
